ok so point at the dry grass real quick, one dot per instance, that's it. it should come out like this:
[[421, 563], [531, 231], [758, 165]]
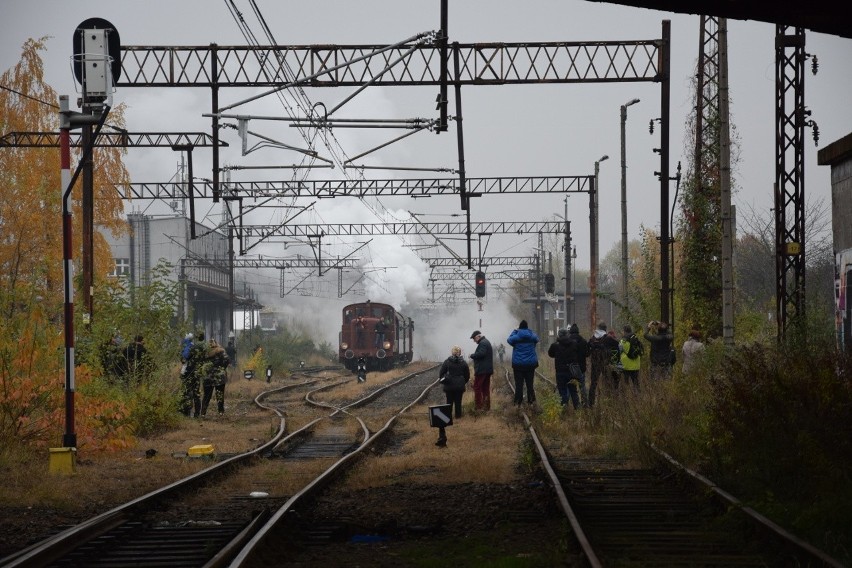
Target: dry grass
[[97, 484], [352, 389], [482, 448]]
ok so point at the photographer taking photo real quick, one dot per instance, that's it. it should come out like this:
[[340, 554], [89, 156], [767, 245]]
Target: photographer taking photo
[[662, 350]]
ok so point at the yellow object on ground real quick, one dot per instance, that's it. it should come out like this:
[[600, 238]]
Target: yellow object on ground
[[63, 460], [201, 450]]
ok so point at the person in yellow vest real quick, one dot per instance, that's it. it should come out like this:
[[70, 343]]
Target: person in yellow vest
[[630, 355]]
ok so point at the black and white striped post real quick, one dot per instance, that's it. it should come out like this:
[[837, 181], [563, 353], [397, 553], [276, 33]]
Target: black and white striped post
[[69, 439], [67, 121]]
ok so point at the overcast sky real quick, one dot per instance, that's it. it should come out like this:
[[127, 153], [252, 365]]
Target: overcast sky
[[516, 131]]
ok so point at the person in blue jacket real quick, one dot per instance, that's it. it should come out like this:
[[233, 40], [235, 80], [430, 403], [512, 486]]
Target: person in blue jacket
[[524, 361]]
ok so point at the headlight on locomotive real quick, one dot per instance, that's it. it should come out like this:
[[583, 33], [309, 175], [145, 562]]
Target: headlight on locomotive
[[387, 345], [344, 346]]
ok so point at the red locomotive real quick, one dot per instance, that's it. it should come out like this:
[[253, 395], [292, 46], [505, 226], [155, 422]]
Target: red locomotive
[[376, 332]]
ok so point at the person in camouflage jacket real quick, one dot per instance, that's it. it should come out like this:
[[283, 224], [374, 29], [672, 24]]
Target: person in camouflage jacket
[[214, 376]]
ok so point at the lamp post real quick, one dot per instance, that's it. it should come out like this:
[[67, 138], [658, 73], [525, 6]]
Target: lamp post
[[624, 207], [594, 196]]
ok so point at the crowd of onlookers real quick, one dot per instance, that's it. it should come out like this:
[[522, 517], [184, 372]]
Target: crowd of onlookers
[[126, 364], [604, 356], [203, 374]]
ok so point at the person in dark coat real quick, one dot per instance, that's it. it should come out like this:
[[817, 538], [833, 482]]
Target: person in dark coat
[[454, 375], [602, 348], [360, 326], [380, 329], [524, 361], [113, 360], [569, 352], [137, 362], [483, 368], [662, 350], [231, 351]]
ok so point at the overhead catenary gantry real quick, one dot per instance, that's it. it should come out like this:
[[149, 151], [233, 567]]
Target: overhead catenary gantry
[[495, 63], [361, 187], [496, 275], [112, 140], [450, 262], [426, 59], [279, 263], [361, 229]]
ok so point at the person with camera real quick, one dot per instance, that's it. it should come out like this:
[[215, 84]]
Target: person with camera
[[662, 350], [603, 347], [569, 353]]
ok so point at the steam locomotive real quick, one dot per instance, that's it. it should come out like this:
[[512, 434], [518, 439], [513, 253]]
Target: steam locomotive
[[376, 332]]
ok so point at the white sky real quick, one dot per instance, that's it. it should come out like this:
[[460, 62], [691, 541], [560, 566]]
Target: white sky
[[517, 131]]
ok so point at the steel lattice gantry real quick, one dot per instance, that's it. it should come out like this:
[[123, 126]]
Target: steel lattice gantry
[[279, 263], [355, 65], [369, 229], [111, 140], [496, 275], [449, 262], [360, 188]]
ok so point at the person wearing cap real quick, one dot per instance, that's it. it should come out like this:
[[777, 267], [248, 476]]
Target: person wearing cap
[[483, 368], [569, 352], [602, 347], [524, 361]]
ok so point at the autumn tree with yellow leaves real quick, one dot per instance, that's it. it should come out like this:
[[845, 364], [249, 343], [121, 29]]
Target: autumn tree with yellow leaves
[[31, 267]]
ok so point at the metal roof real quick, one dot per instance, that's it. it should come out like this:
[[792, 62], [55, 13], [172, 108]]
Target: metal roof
[[816, 15]]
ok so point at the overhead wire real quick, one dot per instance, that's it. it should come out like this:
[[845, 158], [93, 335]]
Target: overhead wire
[[303, 103], [310, 135]]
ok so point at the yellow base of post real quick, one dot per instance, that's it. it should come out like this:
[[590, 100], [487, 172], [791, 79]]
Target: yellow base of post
[[63, 460]]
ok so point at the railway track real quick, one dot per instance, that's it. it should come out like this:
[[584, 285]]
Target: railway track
[[208, 518], [619, 513], [626, 514]]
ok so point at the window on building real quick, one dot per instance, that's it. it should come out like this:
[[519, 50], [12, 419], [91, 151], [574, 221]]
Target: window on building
[[122, 267]]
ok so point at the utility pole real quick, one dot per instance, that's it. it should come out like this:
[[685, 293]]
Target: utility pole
[[594, 197], [624, 273], [567, 248], [538, 267], [551, 313]]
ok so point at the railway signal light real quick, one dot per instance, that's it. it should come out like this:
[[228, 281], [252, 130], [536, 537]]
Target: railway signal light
[[480, 284], [549, 283]]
